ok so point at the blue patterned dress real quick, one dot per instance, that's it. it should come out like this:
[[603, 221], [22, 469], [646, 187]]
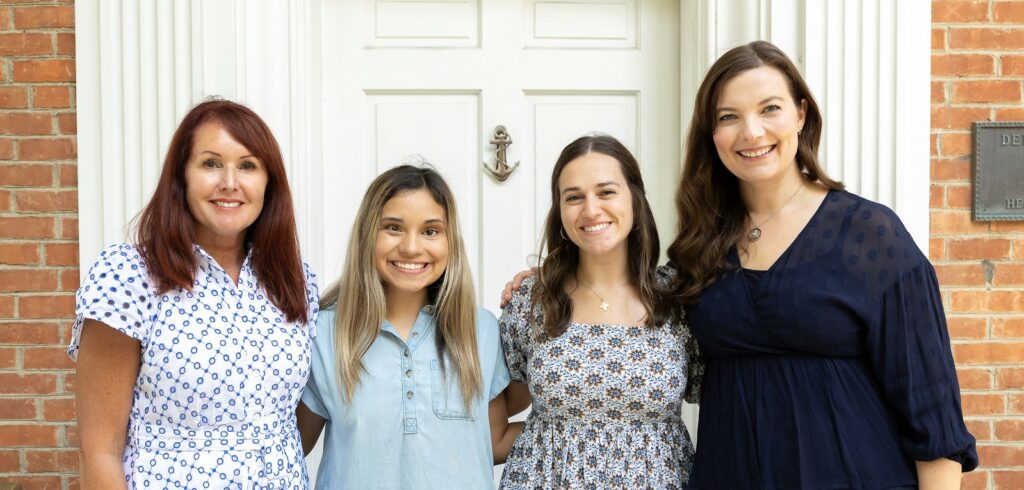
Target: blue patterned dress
[[221, 374], [606, 402]]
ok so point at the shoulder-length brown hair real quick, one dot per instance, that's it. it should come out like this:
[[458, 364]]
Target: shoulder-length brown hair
[[712, 215], [561, 255], [166, 230]]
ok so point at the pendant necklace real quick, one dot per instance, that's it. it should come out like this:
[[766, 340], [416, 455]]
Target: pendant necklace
[[604, 304], [755, 233]]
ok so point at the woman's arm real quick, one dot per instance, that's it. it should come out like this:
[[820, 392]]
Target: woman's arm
[[503, 432], [940, 474], [310, 426], [108, 366]]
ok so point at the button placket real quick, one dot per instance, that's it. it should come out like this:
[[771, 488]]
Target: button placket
[[409, 393]]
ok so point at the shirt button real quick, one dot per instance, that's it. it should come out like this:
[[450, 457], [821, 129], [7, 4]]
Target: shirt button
[[415, 334], [408, 373], [408, 394], [406, 353]]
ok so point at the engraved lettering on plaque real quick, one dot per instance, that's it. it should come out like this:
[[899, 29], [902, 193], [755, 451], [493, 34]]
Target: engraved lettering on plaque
[[998, 171]]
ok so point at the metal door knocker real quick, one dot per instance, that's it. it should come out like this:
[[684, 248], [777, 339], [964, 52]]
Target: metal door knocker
[[502, 141]]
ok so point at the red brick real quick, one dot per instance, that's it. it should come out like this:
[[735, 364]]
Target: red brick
[[49, 70], [69, 381], [47, 358], [1007, 226], [986, 38], [28, 435], [1008, 302], [37, 333], [26, 227], [52, 461], [938, 92], [61, 254], [6, 149], [26, 175], [955, 223], [936, 248], [961, 327], [33, 482], [980, 429], [936, 196], [996, 456], [933, 145], [945, 170], [987, 91], [1012, 65], [19, 253], [27, 280], [25, 44], [1010, 378], [47, 201], [5, 200], [1008, 12], [957, 117], [6, 306], [27, 384], [989, 353], [1016, 404], [68, 280], [974, 378], [59, 409], [26, 123], [67, 123], [13, 97], [60, 306], [37, 17], [1009, 430], [48, 149], [1008, 274], [975, 480], [959, 65], [959, 11], [979, 248], [1018, 249], [9, 462], [66, 43], [69, 228], [8, 358], [68, 175], [51, 97], [959, 197], [983, 404], [1008, 328], [71, 435], [938, 38], [17, 408], [1009, 114], [1006, 480], [956, 144], [960, 275]]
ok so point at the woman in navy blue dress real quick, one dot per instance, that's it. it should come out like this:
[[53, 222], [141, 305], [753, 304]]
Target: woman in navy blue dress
[[828, 359]]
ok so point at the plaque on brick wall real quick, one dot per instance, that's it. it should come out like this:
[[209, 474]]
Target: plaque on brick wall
[[999, 171]]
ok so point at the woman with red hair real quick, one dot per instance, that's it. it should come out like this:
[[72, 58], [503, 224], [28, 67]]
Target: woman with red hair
[[193, 343]]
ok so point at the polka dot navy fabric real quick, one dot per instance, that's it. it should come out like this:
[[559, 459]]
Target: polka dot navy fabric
[[220, 377]]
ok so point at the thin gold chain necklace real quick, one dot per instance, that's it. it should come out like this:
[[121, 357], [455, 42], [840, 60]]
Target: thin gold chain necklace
[[604, 304], [755, 233]]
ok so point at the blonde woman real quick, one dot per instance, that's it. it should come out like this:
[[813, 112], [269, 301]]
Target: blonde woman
[[406, 369]]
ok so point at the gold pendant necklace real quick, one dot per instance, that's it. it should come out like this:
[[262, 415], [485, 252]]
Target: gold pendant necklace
[[604, 304], [755, 233]]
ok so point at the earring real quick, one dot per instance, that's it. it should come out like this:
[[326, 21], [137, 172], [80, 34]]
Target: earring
[[799, 131], [561, 232]]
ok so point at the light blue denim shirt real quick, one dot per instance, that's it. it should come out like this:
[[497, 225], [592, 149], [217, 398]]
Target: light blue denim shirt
[[406, 428]]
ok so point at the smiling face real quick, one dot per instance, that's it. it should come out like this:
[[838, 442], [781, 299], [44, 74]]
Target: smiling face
[[596, 204], [224, 187], [411, 252], [756, 126]]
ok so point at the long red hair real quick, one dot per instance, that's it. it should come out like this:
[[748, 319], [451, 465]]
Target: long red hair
[[166, 230]]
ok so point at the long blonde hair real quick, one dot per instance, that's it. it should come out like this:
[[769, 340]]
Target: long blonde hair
[[359, 292]]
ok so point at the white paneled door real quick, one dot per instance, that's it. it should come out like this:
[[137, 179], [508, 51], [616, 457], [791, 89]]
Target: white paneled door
[[434, 79]]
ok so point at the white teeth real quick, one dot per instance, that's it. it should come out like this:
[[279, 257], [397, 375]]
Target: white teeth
[[755, 154], [599, 227], [227, 204], [409, 265]]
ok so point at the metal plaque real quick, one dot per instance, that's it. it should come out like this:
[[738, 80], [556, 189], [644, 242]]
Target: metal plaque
[[999, 171]]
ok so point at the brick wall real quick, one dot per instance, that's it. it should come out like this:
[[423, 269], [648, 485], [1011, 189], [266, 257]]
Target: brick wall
[[977, 75], [38, 242]]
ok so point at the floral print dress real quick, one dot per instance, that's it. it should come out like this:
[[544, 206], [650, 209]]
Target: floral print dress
[[606, 402]]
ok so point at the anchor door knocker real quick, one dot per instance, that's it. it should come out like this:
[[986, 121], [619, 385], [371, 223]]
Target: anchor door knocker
[[501, 141]]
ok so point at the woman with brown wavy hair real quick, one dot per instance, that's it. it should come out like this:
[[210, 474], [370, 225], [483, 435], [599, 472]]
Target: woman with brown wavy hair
[[193, 343], [828, 359], [597, 340]]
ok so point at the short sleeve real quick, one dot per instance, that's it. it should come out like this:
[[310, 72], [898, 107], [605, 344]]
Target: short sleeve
[[313, 297], [908, 342], [516, 331], [118, 292], [694, 366], [491, 353], [322, 375]]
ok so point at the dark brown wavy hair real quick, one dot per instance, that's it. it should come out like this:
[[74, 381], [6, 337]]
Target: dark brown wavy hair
[[712, 215], [562, 255], [166, 230]]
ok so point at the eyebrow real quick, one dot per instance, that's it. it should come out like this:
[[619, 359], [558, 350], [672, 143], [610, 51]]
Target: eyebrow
[[400, 220], [222, 156], [763, 102], [600, 184]]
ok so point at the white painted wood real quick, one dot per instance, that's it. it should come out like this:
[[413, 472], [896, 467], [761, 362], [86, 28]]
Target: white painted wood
[[422, 23], [609, 23]]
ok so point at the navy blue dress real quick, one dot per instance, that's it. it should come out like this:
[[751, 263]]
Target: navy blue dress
[[832, 369]]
